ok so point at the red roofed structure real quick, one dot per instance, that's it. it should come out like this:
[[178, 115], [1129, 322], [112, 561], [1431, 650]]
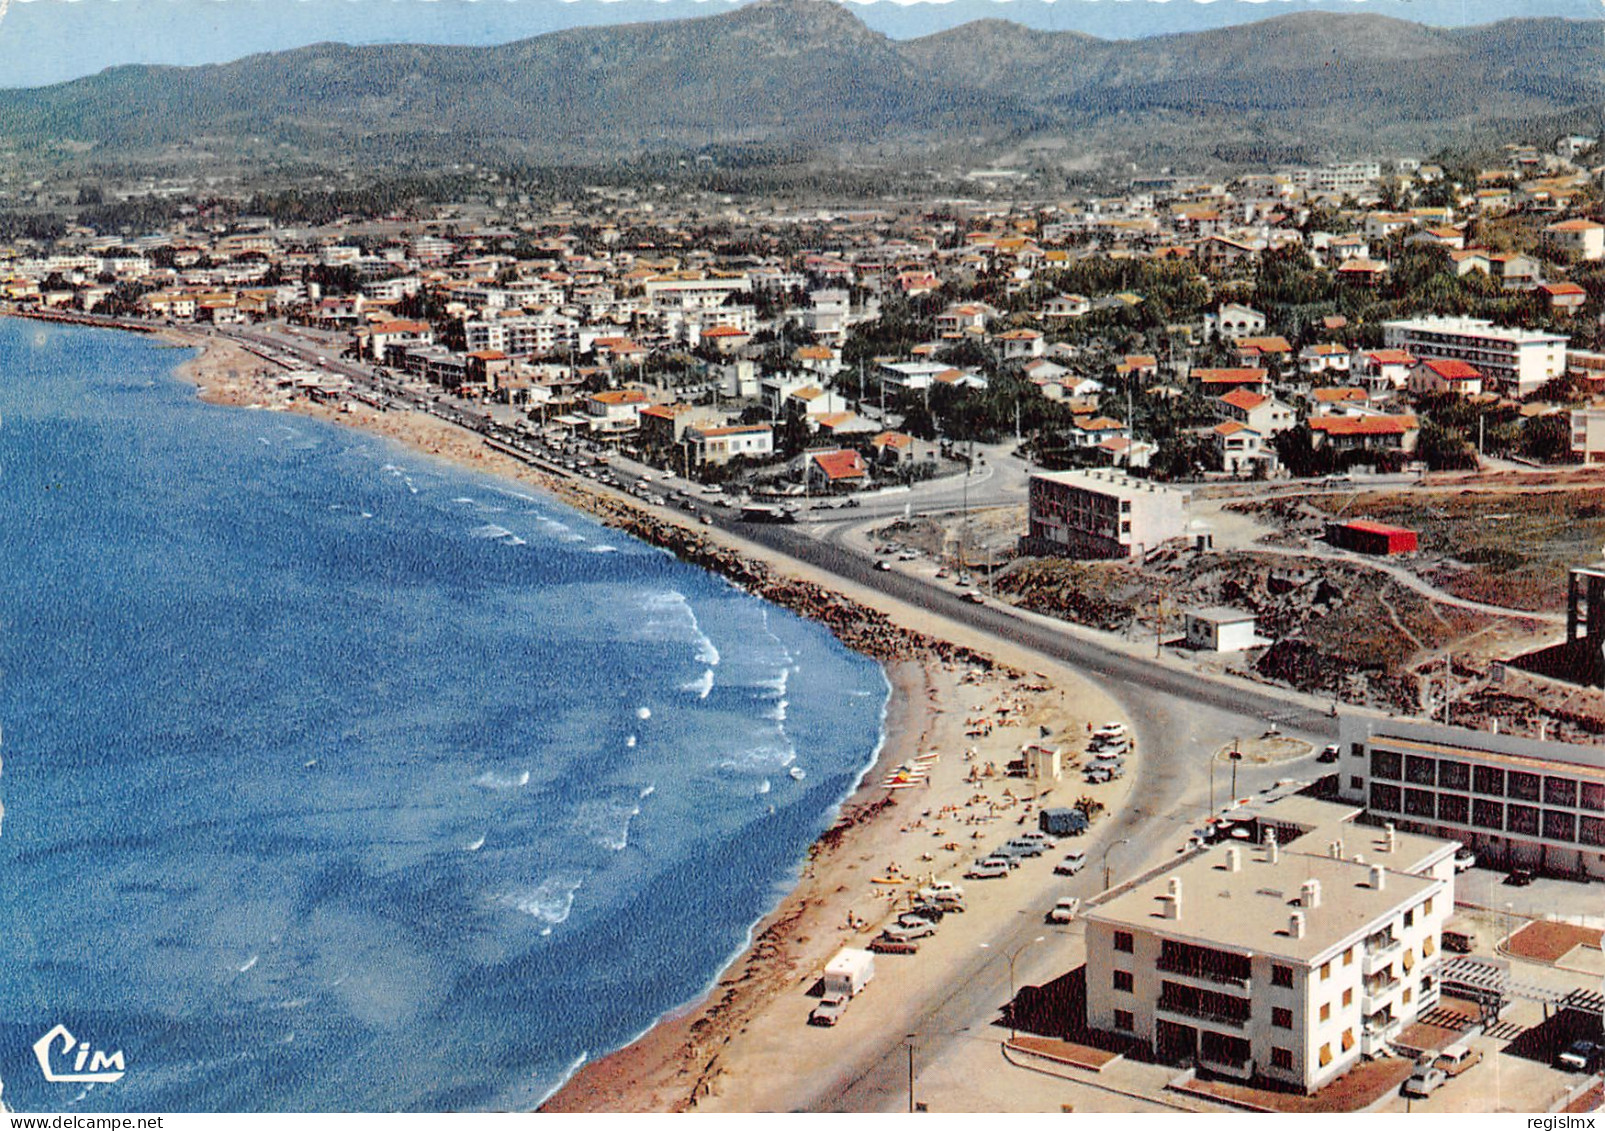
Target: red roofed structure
[[1366, 537]]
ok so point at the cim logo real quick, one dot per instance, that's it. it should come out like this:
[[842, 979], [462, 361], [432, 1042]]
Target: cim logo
[[89, 1066]]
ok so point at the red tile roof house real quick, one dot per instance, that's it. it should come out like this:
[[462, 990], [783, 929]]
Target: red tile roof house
[[1432, 377], [1218, 381], [1371, 432], [844, 468], [893, 447], [1564, 297]]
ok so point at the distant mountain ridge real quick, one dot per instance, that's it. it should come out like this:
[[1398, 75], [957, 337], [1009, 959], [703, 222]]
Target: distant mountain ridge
[[808, 77]]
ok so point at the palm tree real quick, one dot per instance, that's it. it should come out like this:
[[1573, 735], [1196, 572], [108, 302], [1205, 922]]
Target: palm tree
[[1090, 808]]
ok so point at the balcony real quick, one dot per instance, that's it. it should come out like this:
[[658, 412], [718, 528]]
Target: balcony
[[1380, 956], [1375, 997], [1374, 1038], [1202, 1013], [1212, 977]]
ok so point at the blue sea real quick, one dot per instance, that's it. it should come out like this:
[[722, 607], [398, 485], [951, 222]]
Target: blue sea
[[337, 778]]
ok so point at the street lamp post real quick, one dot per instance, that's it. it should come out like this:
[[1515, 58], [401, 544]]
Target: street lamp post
[[1011, 956], [909, 1041], [1106, 851], [1236, 756]]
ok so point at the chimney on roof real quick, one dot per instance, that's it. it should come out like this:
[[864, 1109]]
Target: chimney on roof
[[1378, 877], [1170, 902], [1309, 896], [1234, 859], [1340, 848], [1295, 924], [1273, 850], [1390, 838]]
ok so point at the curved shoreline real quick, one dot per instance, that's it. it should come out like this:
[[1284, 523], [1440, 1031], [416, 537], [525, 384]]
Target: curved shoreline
[[687, 1053]]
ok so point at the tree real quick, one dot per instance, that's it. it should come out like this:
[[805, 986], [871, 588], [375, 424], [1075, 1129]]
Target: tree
[[1548, 439], [1444, 449]]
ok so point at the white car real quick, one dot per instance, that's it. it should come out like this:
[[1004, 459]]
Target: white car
[[908, 932], [1064, 910], [828, 1011], [1071, 864], [1040, 837], [987, 870], [1465, 860], [1111, 730]]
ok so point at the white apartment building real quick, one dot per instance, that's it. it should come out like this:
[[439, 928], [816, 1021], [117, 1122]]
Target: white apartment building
[[1515, 801], [522, 335], [1517, 361], [694, 292], [1588, 433], [1262, 962], [1101, 514], [719, 445]]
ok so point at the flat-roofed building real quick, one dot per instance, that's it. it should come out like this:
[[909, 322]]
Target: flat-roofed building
[[1282, 965], [1101, 514], [1519, 802], [1517, 361]]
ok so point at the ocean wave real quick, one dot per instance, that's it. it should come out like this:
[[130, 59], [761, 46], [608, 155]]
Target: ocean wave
[[474, 845], [765, 757], [607, 823], [643, 712], [511, 494], [601, 548], [778, 711], [549, 902], [490, 779], [703, 685], [491, 532], [671, 617]]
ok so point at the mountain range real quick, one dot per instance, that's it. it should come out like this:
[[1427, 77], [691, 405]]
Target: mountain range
[[809, 79]]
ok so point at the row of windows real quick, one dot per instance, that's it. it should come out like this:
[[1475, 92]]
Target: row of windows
[[1481, 813], [1490, 781]]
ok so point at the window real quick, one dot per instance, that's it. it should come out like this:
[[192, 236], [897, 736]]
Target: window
[[1488, 781], [1560, 791], [1522, 786], [1326, 1054], [1454, 775], [1385, 797], [1428, 947], [1348, 957], [1592, 796], [1559, 825], [1454, 809], [1282, 1058], [1426, 906], [1281, 975], [1386, 765], [1123, 942], [1326, 971], [1348, 1039], [1418, 803], [1421, 771], [1487, 814], [1124, 1019], [1281, 1018], [1326, 1011], [1406, 998], [1522, 819], [1410, 918], [1591, 830], [1356, 782], [1348, 997], [1123, 981]]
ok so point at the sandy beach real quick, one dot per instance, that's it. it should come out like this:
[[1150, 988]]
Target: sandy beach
[[970, 701]]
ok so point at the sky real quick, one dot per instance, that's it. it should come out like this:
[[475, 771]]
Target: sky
[[48, 41]]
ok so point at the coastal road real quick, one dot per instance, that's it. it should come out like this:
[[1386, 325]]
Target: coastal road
[[1179, 718]]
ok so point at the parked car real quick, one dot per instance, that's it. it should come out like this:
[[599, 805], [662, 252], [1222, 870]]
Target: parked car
[[883, 565], [974, 597], [1111, 730], [1098, 775], [908, 932], [988, 869], [1457, 1058], [885, 945], [937, 889], [1580, 1056], [1064, 910], [1024, 847], [1465, 860], [1071, 864], [828, 1011], [926, 914], [1519, 877], [1425, 1081], [1040, 837], [1329, 753]]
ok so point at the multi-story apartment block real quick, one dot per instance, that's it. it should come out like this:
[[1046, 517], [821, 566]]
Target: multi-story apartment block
[[1518, 361], [1101, 514], [1262, 962], [1516, 801], [719, 445]]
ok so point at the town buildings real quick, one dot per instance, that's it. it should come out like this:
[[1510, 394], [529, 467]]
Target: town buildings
[[1516, 801], [1101, 514], [1517, 361], [1284, 963]]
